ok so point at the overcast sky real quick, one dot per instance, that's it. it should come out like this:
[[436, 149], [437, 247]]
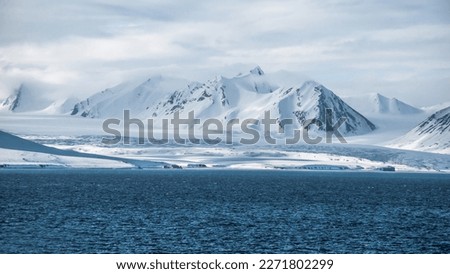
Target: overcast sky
[[398, 48]]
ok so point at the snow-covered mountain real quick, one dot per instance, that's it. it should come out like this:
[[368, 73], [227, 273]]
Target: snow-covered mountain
[[24, 99], [31, 98], [376, 103], [221, 98], [244, 96], [310, 101], [432, 134]]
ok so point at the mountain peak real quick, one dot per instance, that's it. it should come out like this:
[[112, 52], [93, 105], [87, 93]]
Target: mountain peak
[[377, 95], [14, 100], [257, 71], [380, 104]]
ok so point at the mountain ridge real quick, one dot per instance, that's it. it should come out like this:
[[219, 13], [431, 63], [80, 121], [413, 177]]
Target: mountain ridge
[[246, 96]]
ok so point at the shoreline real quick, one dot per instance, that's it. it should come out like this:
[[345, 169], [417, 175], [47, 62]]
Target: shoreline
[[213, 169]]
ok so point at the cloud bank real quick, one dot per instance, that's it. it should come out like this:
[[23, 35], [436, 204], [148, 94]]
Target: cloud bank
[[400, 49]]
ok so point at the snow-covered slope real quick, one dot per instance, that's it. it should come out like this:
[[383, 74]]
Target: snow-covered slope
[[18, 152], [376, 103], [63, 106], [433, 134], [137, 98], [244, 96]]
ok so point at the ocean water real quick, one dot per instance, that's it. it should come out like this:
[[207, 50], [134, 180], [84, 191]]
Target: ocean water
[[223, 211]]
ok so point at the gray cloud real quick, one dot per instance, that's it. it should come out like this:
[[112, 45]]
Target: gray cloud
[[398, 48]]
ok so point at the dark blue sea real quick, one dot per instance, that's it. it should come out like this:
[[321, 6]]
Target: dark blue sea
[[223, 211]]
